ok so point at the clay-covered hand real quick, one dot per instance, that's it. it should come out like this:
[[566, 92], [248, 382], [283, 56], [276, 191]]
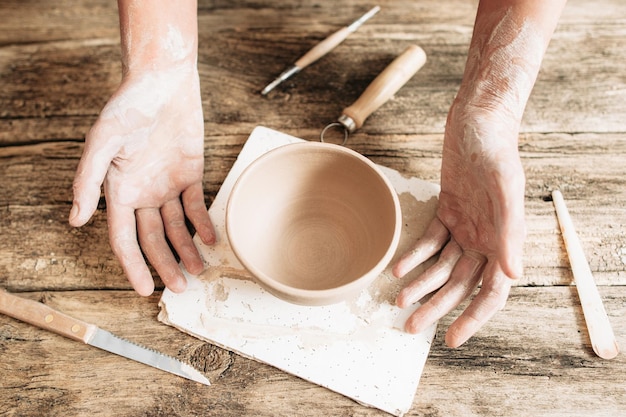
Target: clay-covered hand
[[147, 148], [479, 225]]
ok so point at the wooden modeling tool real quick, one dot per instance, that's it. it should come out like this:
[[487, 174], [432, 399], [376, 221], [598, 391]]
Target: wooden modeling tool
[[320, 50], [384, 86], [600, 330]]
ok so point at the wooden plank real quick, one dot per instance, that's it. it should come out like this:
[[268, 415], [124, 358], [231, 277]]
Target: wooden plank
[[26, 22], [57, 79], [40, 250], [533, 358], [75, 77], [60, 63]]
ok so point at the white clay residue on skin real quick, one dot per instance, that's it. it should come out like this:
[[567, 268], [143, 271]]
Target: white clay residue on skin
[[149, 43], [147, 95], [175, 45], [141, 140], [505, 65], [500, 74], [138, 106]]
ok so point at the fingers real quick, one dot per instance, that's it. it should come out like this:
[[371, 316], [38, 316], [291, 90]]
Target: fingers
[[431, 279], [152, 226], [152, 240], [123, 238], [490, 299], [150, 230], [197, 213], [463, 280], [92, 168], [430, 243], [173, 219]]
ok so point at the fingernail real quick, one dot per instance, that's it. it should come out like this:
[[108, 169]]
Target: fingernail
[[208, 235], [412, 328], [400, 300], [397, 271], [518, 268], [178, 286], [455, 338], [414, 325], [74, 211], [195, 267]]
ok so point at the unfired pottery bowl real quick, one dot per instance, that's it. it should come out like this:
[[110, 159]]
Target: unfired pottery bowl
[[314, 223]]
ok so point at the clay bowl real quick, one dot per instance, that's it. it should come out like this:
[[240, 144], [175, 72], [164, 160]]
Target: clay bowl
[[314, 223]]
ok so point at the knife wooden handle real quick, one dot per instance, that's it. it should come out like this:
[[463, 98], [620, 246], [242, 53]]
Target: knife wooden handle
[[386, 84], [42, 316]]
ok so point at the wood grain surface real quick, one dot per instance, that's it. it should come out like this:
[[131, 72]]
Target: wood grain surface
[[59, 63]]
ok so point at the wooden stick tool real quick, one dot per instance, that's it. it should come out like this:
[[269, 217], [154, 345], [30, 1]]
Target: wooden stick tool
[[320, 50], [600, 330]]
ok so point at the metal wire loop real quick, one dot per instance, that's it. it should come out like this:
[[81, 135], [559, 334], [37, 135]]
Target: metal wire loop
[[339, 125]]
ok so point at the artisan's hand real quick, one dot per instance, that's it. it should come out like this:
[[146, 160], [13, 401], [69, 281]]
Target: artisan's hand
[[480, 219], [479, 225], [147, 147]]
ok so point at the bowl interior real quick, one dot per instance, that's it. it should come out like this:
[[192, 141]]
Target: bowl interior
[[312, 216]]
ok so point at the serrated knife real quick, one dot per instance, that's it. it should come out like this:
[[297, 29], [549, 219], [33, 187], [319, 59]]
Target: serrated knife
[[45, 317]]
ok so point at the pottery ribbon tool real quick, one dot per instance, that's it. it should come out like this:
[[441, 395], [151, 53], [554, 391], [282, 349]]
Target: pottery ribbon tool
[[320, 50], [45, 317], [384, 86], [600, 330]]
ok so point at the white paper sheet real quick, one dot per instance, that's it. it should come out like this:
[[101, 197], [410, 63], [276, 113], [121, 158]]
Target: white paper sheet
[[355, 347]]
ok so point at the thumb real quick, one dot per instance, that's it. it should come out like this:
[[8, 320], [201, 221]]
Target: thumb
[[512, 236], [92, 168], [510, 217], [511, 256]]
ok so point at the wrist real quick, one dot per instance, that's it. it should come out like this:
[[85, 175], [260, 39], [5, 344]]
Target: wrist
[[157, 35], [174, 71], [478, 129], [503, 62], [165, 51]]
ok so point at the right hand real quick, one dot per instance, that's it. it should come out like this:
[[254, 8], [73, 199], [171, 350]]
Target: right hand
[[147, 147]]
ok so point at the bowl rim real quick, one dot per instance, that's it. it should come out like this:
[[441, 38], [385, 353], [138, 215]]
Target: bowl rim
[[326, 296]]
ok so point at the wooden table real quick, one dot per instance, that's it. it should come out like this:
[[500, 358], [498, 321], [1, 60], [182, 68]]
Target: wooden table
[[60, 61]]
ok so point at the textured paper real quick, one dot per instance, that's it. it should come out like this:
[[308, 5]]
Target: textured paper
[[355, 347]]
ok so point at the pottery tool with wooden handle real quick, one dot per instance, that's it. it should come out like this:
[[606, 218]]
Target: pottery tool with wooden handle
[[45, 317], [320, 50], [600, 330], [384, 86]]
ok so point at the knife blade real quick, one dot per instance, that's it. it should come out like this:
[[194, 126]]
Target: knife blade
[[45, 317]]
